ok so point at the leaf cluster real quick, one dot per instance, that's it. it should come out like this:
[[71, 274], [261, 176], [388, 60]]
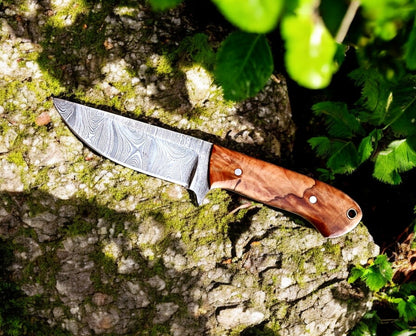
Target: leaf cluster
[[314, 34], [379, 127], [378, 276]]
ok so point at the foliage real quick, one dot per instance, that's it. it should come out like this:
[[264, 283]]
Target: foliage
[[258, 16], [380, 127], [160, 5], [310, 48], [367, 326], [237, 71], [378, 277], [198, 49], [316, 34]]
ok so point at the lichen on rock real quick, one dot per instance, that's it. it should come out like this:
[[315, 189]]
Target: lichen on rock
[[106, 250]]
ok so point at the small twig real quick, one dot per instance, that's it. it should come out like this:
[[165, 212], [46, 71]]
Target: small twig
[[275, 79], [347, 20], [248, 206]]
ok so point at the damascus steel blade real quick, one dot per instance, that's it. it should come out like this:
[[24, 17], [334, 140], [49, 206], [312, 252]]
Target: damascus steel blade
[[146, 148]]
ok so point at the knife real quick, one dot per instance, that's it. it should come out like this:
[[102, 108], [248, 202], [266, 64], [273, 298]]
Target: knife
[[200, 166]]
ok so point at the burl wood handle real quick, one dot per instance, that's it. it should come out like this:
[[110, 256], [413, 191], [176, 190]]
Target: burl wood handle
[[331, 211]]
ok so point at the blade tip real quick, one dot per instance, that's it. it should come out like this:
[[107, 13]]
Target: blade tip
[[64, 107], [57, 102]]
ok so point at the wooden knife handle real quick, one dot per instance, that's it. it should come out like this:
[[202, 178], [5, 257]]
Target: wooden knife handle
[[331, 211]]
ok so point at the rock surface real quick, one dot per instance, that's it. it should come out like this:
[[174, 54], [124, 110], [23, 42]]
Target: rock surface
[[110, 251]]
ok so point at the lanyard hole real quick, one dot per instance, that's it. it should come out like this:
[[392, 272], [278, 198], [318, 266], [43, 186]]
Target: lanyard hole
[[352, 213]]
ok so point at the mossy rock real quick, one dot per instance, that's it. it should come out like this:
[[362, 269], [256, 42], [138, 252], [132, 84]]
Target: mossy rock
[[96, 248]]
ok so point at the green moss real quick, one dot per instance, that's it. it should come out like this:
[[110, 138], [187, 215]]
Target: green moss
[[77, 227], [45, 88], [82, 223], [158, 268], [35, 205], [318, 258], [259, 330], [105, 268], [16, 315], [127, 10], [127, 92], [7, 202], [72, 10], [17, 158], [163, 66], [156, 330], [62, 40], [41, 270], [42, 178], [4, 126], [8, 94], [198, 226], [46, 267], [274, 325], [332, 248], [197, 49], [83, 169]]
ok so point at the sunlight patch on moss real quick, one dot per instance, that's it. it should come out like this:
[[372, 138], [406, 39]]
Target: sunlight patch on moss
[[112, 250], [66, 12], [17, 158], [199, 84], [125, 11], [160, 63]]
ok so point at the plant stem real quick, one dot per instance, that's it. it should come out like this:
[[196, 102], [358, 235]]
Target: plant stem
[[347, 20]]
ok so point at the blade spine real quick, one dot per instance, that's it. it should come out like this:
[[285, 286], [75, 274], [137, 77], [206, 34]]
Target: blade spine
[[147, 126]]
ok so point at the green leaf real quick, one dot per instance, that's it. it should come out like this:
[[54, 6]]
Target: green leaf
[[253, 16], [410, 50], [342, 155], [402, 110], [310, 50], [378, 274], [384, 17], [363, 329], [407, 308], [367, 326], [406, 289], [161, 5], [376, 93], [356, 273], [368, 144], [398, 157], [322, 146], [244, 64], [406, 332], [344, 160], [325, 174], [339, 121]]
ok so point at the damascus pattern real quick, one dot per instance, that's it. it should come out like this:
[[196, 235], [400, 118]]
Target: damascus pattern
[[148, 149]]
